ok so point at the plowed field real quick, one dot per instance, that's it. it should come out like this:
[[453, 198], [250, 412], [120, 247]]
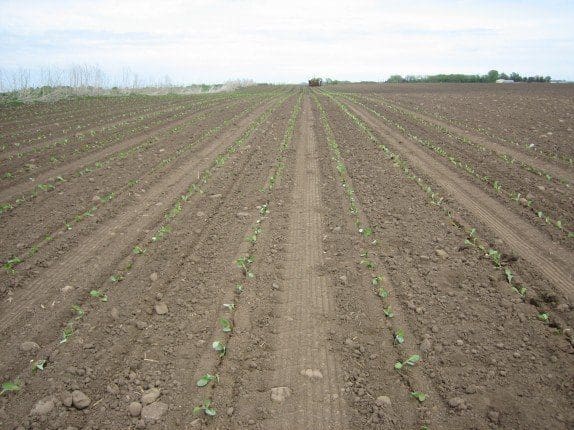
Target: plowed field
[[360, 256]]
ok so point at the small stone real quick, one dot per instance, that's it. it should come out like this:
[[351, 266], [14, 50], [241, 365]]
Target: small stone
[[154, 277], [161, 308], [279, 394], [150, 396], [135, 409], [471, 389], [115, 313], [154, 411], [230, 411], [563, 307], [67, 289], [383, 401], [441, 253], [457, 403], [200, 214], [242, 214], [29, 346], [141, 325], [311, 373], [80, 400], [275, 286], [43, 407], [66, 398], [494, 416], [140, 424], [459, 342], [216, 196], [426, 346], [435, 329]]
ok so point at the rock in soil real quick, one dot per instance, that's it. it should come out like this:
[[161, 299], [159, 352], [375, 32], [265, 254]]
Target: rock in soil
[[80, 400], [43, 407], [161, 308], [279, 394], [154, 411], [383, 401], [29, 346], [135, 409], [150, 396], [311, 373]]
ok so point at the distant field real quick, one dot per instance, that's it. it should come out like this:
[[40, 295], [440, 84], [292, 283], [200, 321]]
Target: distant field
[[388, 256]]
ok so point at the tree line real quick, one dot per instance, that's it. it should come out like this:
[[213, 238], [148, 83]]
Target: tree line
[[491, 76]]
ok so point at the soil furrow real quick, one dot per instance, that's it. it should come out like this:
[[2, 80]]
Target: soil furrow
[[101, 249]]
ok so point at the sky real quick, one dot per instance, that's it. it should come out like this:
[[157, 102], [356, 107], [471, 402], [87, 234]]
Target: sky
[[210, 41]]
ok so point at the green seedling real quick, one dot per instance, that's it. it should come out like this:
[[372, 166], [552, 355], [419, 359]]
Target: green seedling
[[78, 311], [10, 264], [10, 386], [420, 396], [559, 224], [60, 179], [411, 361], [68, 225], [383, 294], [264, 209], [226, 325], [495, 256], [219, 348], [239, 288], [206, 379], [161, 233], [205, 408], [509, 275], [230, 306], [243, 263], [252, 238], [519, 290], [399, 337], [138, 250], [388, 312], [366, 231], [367, 263], [99, 295], [116, 278], [377, 280], [497, 186], [67, 333], [543, 316], [38, 365]]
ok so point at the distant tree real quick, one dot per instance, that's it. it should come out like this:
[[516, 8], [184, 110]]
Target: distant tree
[[515, 77], [492, 75], [395, 79], [503, 76]]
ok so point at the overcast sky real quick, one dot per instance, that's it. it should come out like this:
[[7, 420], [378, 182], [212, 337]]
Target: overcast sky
[[209, 41]]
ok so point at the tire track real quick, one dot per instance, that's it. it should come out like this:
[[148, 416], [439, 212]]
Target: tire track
[[553, 261], [305, 305]]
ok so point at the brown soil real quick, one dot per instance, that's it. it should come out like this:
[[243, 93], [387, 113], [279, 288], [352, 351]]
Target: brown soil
[[309, 344]]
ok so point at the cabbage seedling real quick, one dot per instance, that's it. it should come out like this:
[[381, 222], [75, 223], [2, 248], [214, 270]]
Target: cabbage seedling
[[138, 250], [9, 386], [99, 295], [206, 408], [226, 325], [509, 275], [239, 288], [67, 333], [543, 316], [420, 396], [78, 311], [383, 294], [38, 365], [388, 312], [377, 280], [116, 278], [399, 337], [495, 256], [206, 379], [230, 306], [264, 209], [411, 361], [219, 348]]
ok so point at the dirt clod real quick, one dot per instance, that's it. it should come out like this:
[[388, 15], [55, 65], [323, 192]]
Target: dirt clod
[[80, 400], [161, 308], [29, 346], [154, 411], [43, 407], [150, 396], [135, 409], [279, 394]]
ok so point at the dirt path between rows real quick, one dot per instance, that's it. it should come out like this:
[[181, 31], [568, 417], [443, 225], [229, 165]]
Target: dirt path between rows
[[495, 147], [554, 262], [302, 357]]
